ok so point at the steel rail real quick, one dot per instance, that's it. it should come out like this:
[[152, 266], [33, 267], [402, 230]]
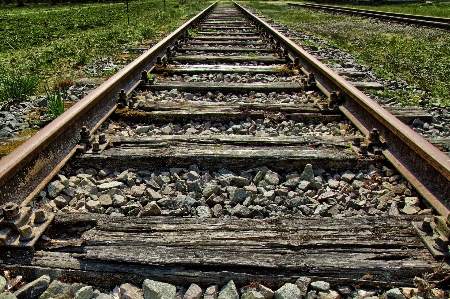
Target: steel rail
[[430, 21], [22, 171], [424, 165]]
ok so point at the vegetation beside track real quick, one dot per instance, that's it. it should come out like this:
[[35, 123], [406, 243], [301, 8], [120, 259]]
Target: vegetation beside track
[[55, 44], [435, 9], [419, 56], [438, 9]]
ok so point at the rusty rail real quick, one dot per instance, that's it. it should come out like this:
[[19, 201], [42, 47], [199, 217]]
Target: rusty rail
[[22, 171], [423, 165], [429, 21]]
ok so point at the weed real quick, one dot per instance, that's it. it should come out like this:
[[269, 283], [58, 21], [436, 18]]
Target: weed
[[64, 84], [55, 102], [16, 85]]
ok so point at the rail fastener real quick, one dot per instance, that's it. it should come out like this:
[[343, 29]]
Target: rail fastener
[[21, 226]]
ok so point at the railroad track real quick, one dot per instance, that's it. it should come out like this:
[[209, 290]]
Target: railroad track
[[225, 152], [429, 21]]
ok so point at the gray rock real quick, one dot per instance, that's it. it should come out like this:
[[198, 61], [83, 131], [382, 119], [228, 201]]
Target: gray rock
[[394, 294], [239, 181], [142, 129], [93, 206], [238, 194], [312, 295], [303, 185], [330, 294], [211, 292], [169, 203], [158, 290], [252, 295], [307, 174], [103, 296], [272, 178], [333, 184], [130, 291], [84, 293], [119, 200], [33, 289], [204, 212], [265, 291], [137, 191], [344, 290], [2, 283], [320, 285], [7, 295], [194, 292], [210, 189], [347, 176], [228, 291], [55, 188], [110, 185], [60, 202], [154, 195], [115, 214], [57, 289], [241, 211], [151, 209], [105, 200], [303, 284], [288, 291], [123, 177]]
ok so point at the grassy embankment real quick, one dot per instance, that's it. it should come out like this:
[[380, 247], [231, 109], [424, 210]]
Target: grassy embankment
[[43, 45], [419, 56], [44, 48]]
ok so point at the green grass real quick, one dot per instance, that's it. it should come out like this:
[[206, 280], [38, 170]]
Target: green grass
[[420, 57], [438, 9], [55, 42], [55, 102], [17, 84]]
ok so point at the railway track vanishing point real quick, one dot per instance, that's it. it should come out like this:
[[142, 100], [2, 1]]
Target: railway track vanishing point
[[253, 159]]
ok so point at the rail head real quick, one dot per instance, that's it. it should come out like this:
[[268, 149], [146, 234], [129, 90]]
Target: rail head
[[427, 166], [21, 170]]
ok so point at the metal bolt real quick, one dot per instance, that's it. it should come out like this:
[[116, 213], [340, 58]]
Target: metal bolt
[[158, 60], [357, 140], [441, 243], [296, 61], [39, 216], [311, 78], [26, 233], [333, 100], [374, 135], [85, 135], [11, 210], [122, 101], [102, 138], [144, 77], [95, 147], [426, 225], [377, 151], [363, 149]]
